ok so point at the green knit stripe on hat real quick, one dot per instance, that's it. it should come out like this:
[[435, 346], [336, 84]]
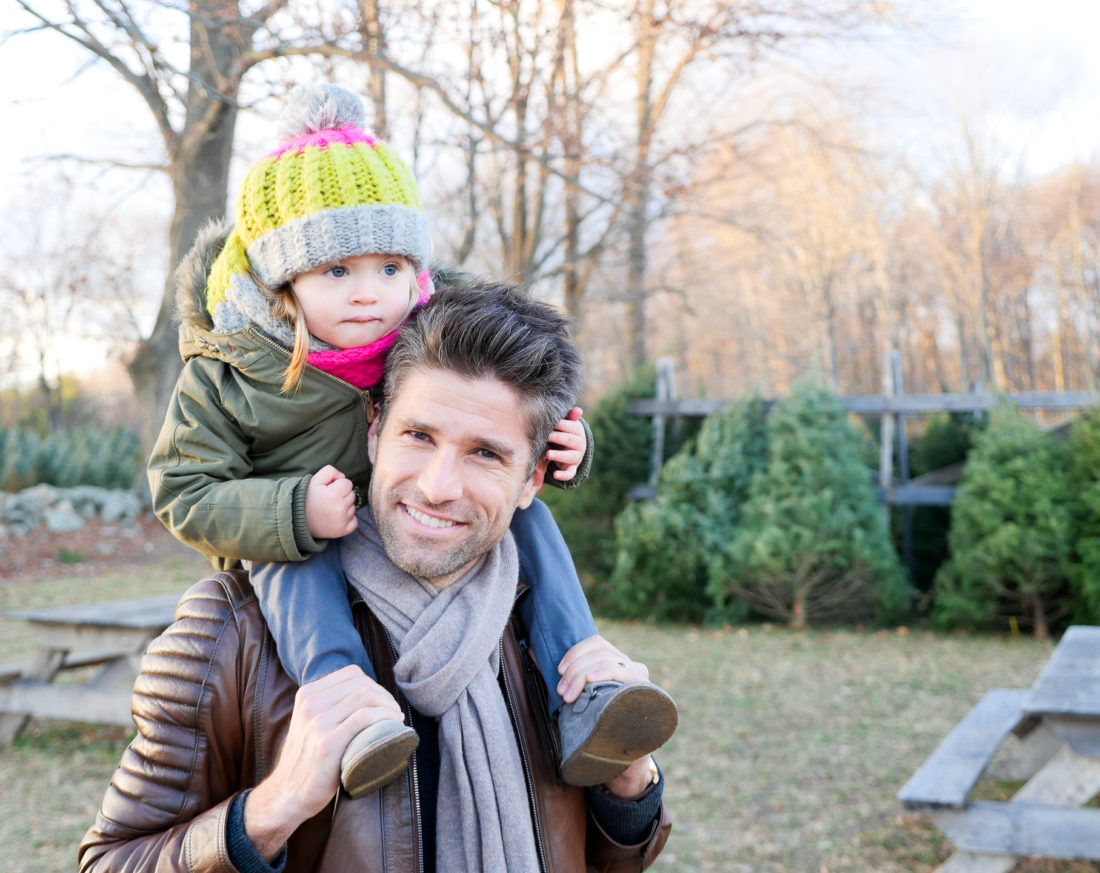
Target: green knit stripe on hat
[[231, 261]]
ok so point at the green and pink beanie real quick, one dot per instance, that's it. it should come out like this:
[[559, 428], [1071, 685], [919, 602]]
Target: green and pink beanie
[[331, 191]]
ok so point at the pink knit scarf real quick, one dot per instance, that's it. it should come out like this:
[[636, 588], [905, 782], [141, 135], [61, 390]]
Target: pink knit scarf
[[361, 366]]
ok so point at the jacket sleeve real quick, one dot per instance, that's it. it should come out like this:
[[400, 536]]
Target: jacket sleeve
[[202, 483], [606, 856], [583, 468], [167, 806]]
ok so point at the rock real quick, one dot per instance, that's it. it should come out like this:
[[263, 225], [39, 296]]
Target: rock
[[64, 510], [119, 506], [88, 500], [63, 518]]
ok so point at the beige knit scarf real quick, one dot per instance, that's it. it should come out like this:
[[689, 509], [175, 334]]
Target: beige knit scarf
[[448, 645]]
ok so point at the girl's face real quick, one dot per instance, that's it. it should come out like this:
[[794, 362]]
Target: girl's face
[[357, 300]]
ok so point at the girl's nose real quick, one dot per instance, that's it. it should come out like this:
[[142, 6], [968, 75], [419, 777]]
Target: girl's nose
[[365, 292]]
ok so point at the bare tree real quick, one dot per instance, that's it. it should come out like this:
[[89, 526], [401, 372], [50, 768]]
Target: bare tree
[[194, 102], [557, 167], [673, 39], [65, 276]]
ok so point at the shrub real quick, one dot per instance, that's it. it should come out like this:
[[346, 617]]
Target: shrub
[[623, 443], [109, 458], [812, 544], [664, 547], [1009, 532]]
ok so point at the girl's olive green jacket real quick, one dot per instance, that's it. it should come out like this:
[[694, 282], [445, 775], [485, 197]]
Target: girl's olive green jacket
[[229, 470]]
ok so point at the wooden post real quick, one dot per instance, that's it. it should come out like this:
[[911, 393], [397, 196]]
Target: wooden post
[[665, 390], [903, 464], [46, 664], [886, 440]]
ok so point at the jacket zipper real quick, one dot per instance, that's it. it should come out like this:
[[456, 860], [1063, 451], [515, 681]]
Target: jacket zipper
[[415, 777], [535, 681], [510, 703], [366, 396], [364, 393]]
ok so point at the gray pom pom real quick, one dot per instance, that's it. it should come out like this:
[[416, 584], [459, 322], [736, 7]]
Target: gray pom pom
[[314, 107]]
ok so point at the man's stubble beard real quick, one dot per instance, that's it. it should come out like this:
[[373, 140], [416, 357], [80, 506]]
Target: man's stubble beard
[[425, 562]]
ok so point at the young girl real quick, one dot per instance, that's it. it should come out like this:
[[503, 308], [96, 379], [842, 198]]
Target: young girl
[[286, 321]]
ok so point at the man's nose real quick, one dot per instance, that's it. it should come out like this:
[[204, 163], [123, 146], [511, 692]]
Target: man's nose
[[441, 480]]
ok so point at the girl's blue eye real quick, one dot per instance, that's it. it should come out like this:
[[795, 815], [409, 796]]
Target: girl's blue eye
[[338, 272], [390, 269]]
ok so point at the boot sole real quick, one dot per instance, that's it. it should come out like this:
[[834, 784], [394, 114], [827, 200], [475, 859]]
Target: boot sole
[[379, 765], [638, 720]]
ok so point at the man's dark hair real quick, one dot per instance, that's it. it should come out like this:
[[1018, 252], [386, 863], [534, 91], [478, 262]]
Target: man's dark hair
[[481, 329]]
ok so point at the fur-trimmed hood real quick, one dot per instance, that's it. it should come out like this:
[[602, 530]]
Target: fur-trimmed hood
[[239, 325], [190, 276]]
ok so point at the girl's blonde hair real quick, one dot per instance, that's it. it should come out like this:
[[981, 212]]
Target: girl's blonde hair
[[284, 306]]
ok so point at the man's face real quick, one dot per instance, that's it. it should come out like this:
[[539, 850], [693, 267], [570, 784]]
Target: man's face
[[450, 469]]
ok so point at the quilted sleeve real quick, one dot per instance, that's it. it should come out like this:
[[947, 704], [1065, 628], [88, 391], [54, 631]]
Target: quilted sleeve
[[167, 805]]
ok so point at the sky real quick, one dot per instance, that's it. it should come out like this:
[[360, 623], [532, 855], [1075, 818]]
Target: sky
[[1034, 67], [1030, 70]]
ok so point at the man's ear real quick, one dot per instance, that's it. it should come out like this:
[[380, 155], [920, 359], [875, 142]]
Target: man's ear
[[534, 484], [372, 442]]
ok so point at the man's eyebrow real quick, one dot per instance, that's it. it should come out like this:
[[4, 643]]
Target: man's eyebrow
[[413, 424]]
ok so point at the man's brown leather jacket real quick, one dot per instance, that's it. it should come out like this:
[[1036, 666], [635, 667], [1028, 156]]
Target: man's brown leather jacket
[[212, 706]]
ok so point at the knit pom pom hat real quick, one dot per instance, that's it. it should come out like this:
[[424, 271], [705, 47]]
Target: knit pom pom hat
[[331, 191]]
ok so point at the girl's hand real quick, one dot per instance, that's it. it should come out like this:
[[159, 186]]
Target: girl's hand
[[569, 434], [330, 504], [596, 660]]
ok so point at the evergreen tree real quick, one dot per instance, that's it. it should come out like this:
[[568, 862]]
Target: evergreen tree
[[623, 444], [812, 544], [664, 547], [1009, 537]]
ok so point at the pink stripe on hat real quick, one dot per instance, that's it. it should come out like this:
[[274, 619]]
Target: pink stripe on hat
[[323, 139]]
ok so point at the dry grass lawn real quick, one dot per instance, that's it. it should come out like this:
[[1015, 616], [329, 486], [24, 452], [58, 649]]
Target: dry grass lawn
[[790, 751]]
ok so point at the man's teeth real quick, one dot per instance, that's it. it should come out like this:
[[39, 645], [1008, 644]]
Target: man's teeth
[[429, 520]]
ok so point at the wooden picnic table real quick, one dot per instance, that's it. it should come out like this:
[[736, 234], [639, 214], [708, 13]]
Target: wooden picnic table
[[1057, 723], [108, 636]]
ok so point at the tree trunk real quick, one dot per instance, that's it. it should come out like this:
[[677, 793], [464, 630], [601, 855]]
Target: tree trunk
[[640, 191], [571, 136], [374, 44], [798, 611], [831, 363], [51, 399], [200, 180], [1042, 629]]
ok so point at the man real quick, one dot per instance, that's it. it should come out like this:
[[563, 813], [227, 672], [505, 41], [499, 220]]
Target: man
[[235, 769]]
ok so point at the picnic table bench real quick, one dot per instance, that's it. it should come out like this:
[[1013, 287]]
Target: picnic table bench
[[111, 636], [1057, 756]]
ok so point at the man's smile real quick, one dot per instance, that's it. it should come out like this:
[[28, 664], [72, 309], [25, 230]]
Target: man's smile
[[428, 520]]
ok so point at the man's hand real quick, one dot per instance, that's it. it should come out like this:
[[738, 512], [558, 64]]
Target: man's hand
[[596, 660], [327, 714], [569, 434], [330, 504], [632, 781]]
